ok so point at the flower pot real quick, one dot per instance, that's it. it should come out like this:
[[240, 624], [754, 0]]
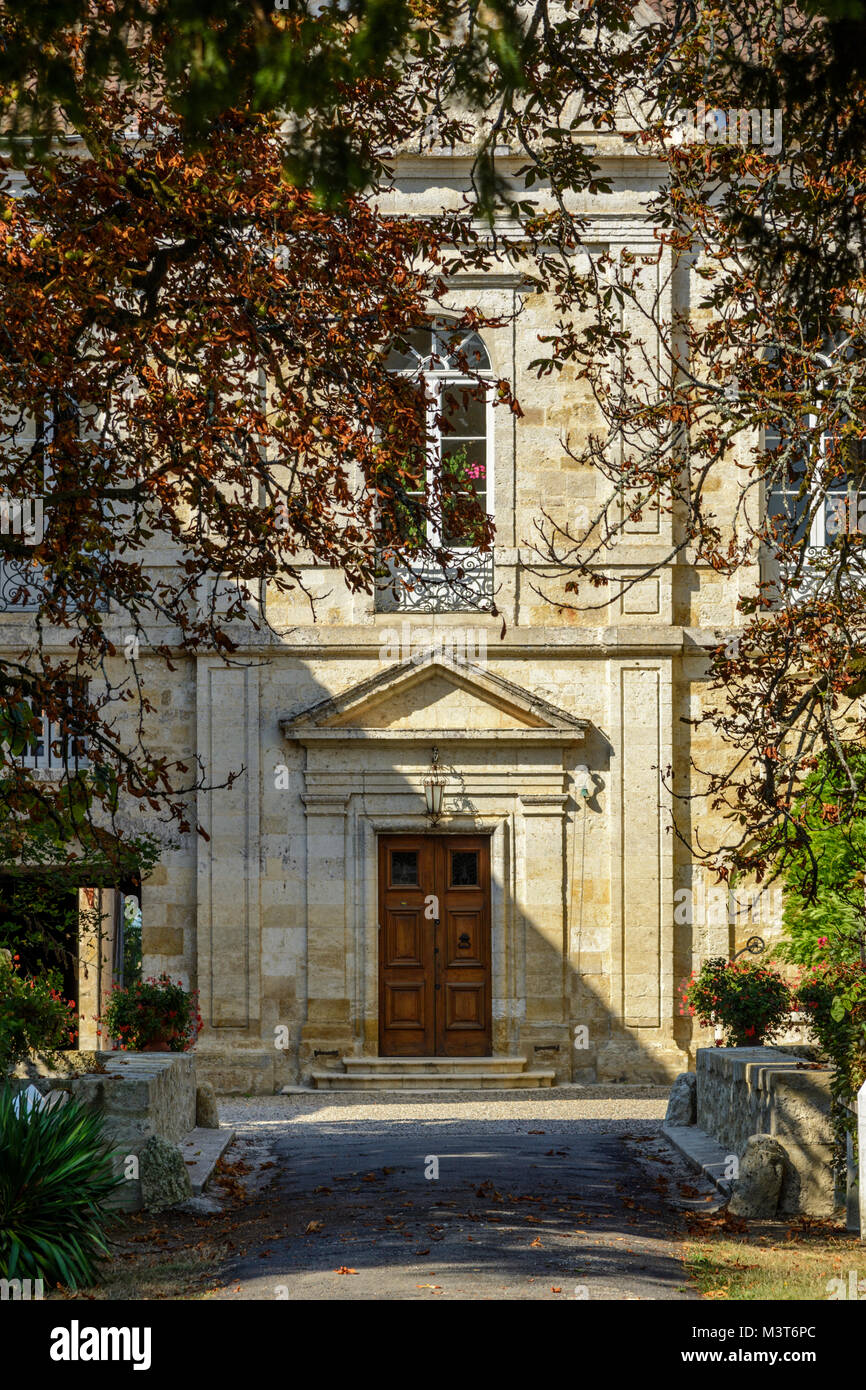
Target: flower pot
[[157, 1045]]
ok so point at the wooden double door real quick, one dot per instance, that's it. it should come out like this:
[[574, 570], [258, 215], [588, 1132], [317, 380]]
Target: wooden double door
[[434, 946]]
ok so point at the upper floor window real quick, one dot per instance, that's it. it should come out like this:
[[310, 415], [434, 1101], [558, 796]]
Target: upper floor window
[[810, 506], [54, 444], [818, 491], [51, 745], [450, 371]]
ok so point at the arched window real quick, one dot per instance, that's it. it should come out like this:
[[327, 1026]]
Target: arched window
[[452, 367]]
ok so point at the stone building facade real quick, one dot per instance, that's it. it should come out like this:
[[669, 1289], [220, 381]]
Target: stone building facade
[[537, 916], [550, 736]]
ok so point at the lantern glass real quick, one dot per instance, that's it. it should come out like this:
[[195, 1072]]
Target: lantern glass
[[433, 794]]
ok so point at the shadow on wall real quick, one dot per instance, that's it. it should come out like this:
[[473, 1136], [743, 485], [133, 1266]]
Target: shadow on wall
[[285, 975]]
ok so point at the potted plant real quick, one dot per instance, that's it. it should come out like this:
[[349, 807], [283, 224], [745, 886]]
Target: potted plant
[[750, 1002], [153, 1015]]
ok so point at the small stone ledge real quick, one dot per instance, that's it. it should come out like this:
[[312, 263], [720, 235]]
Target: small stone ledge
[[703, 1154], [202, 1150]]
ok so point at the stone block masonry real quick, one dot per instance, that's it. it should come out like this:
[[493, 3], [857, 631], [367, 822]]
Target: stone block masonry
[[139, 1095], [744, 1091]]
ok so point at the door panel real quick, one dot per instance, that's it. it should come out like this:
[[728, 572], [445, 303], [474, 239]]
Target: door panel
[[463, 999], [406, 995], [434, 946]]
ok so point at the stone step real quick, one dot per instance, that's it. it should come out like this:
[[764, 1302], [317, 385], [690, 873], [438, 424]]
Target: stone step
[[433, 1081], [412, 1066], [202, 1149]]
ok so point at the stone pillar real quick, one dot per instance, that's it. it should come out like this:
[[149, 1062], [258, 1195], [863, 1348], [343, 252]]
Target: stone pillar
[[328, 1025], [544, 924], [98, 910], [641, 848], [642, 984], [228, 927]]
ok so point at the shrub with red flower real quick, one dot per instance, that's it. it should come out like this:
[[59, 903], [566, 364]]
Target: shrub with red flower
[[833, 995], [749, 1001], [34, 1016], [152, 1011]]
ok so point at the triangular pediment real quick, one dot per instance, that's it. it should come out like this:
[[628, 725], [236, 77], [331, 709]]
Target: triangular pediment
[[435, 693]]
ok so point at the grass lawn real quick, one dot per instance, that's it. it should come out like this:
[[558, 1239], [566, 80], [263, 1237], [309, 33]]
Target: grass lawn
[[173, 1254], [153, 1257], [781, 1260]]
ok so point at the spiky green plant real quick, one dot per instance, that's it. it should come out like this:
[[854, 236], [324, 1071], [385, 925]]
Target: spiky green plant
[[55, 1177]]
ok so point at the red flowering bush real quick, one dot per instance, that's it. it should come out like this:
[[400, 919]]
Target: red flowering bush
[[152, 1011], [34, 1016], [750, 1002]]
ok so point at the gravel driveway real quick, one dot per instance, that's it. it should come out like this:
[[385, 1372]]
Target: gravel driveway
[[534, 1195]]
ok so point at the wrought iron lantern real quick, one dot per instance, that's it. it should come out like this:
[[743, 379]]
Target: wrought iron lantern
[[434, 789]]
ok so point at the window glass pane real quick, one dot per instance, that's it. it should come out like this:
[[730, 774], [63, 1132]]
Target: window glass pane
[[409, 351], [475, 353], [464, 868], [467, 461], [404, 867], [787, 506], [403, 487], [461, 350], [788, 514], [463, 416], [845, 496]]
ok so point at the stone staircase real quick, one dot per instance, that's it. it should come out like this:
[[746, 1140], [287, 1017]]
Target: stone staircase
[[432, 1074]]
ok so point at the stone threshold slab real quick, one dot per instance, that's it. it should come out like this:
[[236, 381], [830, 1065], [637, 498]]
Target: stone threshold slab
[[703, 1154], [442, 1081], [202, 1149], [573, 1090]]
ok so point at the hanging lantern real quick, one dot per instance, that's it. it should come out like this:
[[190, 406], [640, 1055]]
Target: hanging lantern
[[434, 788]]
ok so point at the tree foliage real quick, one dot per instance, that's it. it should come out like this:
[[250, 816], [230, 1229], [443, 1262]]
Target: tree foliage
[[194, 343], [727, 368], [825, 912]]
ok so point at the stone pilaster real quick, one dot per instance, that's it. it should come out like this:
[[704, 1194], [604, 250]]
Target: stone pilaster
[[542, 894], [328, 1025]]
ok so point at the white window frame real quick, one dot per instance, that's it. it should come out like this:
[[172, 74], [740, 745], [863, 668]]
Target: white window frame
[[43, 758], [435, 382], [817, 538]]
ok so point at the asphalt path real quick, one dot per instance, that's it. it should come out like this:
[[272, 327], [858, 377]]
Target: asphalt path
[[465, 1208]]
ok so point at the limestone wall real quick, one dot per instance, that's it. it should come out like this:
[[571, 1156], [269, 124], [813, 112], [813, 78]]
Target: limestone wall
[[761, 1090], [138, 1094]]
